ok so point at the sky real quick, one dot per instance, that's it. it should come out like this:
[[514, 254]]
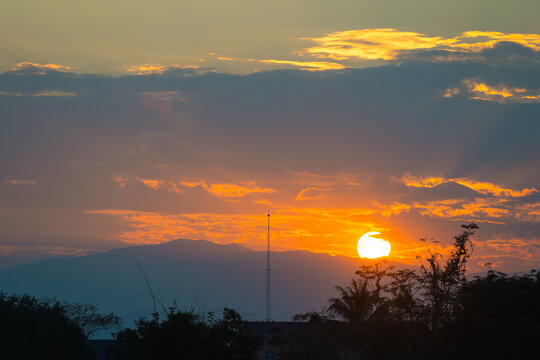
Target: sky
[[135, 122]]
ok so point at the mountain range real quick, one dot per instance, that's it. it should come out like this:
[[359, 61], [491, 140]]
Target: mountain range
[[196, 274]]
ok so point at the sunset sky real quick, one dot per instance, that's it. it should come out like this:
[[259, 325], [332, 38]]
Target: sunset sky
[[138, 122]]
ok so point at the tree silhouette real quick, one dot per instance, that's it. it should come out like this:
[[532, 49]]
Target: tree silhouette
[[32, 329], [441, 283], [187, 336]]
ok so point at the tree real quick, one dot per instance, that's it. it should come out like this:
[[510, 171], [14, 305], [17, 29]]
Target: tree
[[33, 329], [498, 317], [363, 299], [88, 318], [441, 283], [185, 335]]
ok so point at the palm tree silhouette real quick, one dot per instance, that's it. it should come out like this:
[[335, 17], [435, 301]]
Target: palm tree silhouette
[[355, 304]]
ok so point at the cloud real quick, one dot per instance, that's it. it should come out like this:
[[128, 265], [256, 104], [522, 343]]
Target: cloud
[[530, 212], [392, 44], [479, 89], [15, 182], [369, 44], [475, 209], [319, 186], [151, 69], [499, 251], [153, 184], [229, 190], [307, 65], [328, 180], [311, 193], [54, 93], [224, 58], [481, 187], [222, 190], [237, 190], [317, 149], [35, 68], [6, 250]]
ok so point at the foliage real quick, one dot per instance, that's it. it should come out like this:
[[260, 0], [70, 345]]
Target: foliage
[[86, 316], [441, 284], [185, 335], [499, 317], [435, 313], [32, 329]]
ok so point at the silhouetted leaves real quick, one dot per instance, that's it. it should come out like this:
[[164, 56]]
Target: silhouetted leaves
[[434, 314], [33, 329], [187, 336]]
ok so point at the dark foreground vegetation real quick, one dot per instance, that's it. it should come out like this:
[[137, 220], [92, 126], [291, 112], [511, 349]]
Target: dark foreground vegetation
[[433, 313], [186, 336], [48, 330]]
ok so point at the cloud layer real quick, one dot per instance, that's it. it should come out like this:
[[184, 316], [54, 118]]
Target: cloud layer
[[410, 150]]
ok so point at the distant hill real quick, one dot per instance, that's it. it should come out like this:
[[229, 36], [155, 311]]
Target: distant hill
[[199, 274]]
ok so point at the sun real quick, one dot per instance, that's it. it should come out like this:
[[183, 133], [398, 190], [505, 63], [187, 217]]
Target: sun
[[371, 248]]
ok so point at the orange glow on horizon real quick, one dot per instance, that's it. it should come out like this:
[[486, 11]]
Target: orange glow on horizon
[[314, 212]]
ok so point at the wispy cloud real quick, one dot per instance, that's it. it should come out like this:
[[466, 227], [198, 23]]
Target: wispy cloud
[[18, 182], [229, 190], [389, 43], [40, 68], [150, 69], [318, 186], [369, 44], [222, 190], [307, 65], [500, 92], [6, 250], [481, 187], [54, 93]]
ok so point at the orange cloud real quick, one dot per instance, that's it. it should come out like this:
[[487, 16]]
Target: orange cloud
[[292, 228], [229, 190], [369, 44], [18, 182], [149, 183], [237, 190], [308, 65], [223, 190], [161, 185], [524, 249], [451, 92], [394, 209], [501, 92], [389, 43], [317, 185], [149, 69], [530, 212], [31, 66], [224, 58], [454, 208], [54, 93], [487, 39], [324, 226], [481, 187]]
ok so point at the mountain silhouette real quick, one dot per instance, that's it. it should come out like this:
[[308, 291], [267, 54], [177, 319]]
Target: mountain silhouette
[[199, 275]]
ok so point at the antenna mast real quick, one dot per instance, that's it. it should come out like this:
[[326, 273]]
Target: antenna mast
[[268, 287]]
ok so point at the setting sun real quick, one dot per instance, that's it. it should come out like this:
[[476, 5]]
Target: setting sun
[[371, 248]]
